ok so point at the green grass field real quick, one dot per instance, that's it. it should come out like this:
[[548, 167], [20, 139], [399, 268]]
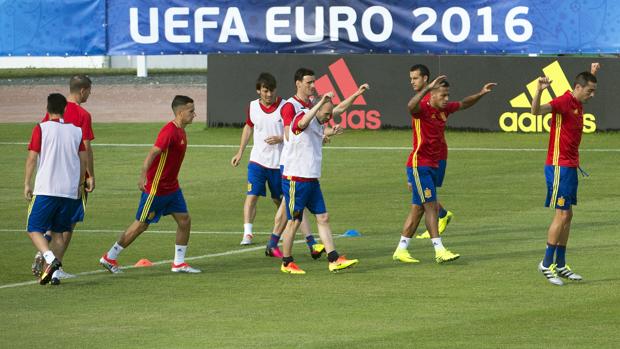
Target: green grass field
[[492, 297]]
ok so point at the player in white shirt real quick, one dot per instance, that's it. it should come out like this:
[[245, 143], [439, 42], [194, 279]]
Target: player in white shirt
[[265, 124], [301, 179]]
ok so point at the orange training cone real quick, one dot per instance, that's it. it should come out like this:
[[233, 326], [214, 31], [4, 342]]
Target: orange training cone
[[143, 263]]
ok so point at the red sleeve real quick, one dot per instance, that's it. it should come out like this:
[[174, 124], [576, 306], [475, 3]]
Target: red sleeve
[[452, 107], [164, 138], [287, 112], [295, 127], [87, 128], [248, 120], [422, 111], [557, 104], [35, 139]]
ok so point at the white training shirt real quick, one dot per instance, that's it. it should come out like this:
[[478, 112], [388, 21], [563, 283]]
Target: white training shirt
[[58, 171], [266, 125], [297, 106], [305, 153]]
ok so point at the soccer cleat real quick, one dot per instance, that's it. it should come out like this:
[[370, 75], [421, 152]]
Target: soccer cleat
[[37, 264], [46, 275], [424, 235], [342, 263], [550, 274], [567, 273], [401, 254], [55, 281], [62, 274], [109, 264], [442, 223], [291, 268], [445, 255], [273, 252], [247, 239], [317, 250], [184, 268]]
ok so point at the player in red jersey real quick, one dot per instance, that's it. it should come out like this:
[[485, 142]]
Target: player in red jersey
[[561, 167], [429, 120], [79, 90], [161, 194]]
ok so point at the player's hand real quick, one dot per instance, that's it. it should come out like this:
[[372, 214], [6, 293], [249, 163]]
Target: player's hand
[[326, 139], [273, 140], [327, 97], [236, 159], [409, 186], [594, 67], [28, 192], [544, 82], [438, 80], [488, 87], [142, 183], [337, 130], [90, 184], [363, 88]]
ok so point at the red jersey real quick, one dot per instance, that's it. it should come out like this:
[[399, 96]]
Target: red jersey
[[288, 111], [162, 176], [565, 132], [78, 116], [428, 126]]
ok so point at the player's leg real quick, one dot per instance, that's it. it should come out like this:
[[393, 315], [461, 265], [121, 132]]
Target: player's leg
[[444, 216], [279, 220], [316, 249], [413, 218], [184, 225], [41, 213], [257, 178], [295, 196], [569, 186]]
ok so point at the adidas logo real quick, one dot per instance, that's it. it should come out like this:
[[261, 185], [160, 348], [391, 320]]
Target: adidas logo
[[526, 121], [343, 79]]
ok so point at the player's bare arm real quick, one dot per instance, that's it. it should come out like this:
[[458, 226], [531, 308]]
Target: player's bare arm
[[346, 104], [245, 138], [83, 168], [90, 166], [305, 120], [537, 109], [153, 153], [414, 103], [31, 163], [469, 101], [271, 140]]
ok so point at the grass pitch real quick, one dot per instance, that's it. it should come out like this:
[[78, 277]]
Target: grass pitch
[[492, 297]]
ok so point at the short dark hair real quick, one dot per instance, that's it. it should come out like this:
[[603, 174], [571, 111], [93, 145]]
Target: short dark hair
[[301, 72], [583, 78], [56, 104], [78, 82], [422, 69], [444, 83], [179, 101], [267, 81]]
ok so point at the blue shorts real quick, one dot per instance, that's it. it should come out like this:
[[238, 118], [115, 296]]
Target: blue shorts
[[441, 172], [50, 213], [79, 208], [299, 195], [423, 181], [259, 175], [152, 207], [561, 186]]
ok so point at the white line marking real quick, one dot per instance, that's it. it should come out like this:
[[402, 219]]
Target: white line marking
[[78, 231], [335, 147]]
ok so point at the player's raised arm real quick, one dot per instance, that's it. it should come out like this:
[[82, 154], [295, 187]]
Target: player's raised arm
[[305, 120], [245, 138], [414, 103], [537, 109], [469, 101], [346, 104], [153, 153]]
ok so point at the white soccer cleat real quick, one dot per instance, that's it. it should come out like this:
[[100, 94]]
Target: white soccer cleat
[[110, 264], [184, 268], [550, 274], [567, 273], [247, 239], [61, 274]]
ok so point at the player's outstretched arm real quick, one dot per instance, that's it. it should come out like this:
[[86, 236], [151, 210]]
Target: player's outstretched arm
[[346, 104], [414, 103], [537, 109], [594, 68], [31, 163], [469, 101], [153, 153], [305, 120], [245, 138]]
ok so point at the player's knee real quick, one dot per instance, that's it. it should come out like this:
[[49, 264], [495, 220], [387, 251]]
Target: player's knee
[[185, 221], [322, 218], [277, 201]]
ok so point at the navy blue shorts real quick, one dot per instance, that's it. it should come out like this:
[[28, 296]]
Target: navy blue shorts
[[299, 195], [152, 207], [561, 186], [80, 208], [50, 213], [258, 176], [441, 172], [423, 181]]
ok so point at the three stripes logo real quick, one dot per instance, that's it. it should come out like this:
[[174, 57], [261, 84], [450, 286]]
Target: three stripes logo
[[526, 121], [356, 118]]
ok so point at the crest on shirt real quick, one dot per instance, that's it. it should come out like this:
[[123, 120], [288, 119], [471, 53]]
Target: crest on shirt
[[151, 215], [249, 187], [561, 201], [427, 193]]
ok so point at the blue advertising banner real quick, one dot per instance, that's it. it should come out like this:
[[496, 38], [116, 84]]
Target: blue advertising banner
[[423, 26], [52, 28]]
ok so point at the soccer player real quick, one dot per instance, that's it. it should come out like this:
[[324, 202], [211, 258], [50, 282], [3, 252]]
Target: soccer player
[[429, 120], [161, 194], [264, 122], [61, 158], [561, 167], [301, 180], [79, 91], [419, 76]]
